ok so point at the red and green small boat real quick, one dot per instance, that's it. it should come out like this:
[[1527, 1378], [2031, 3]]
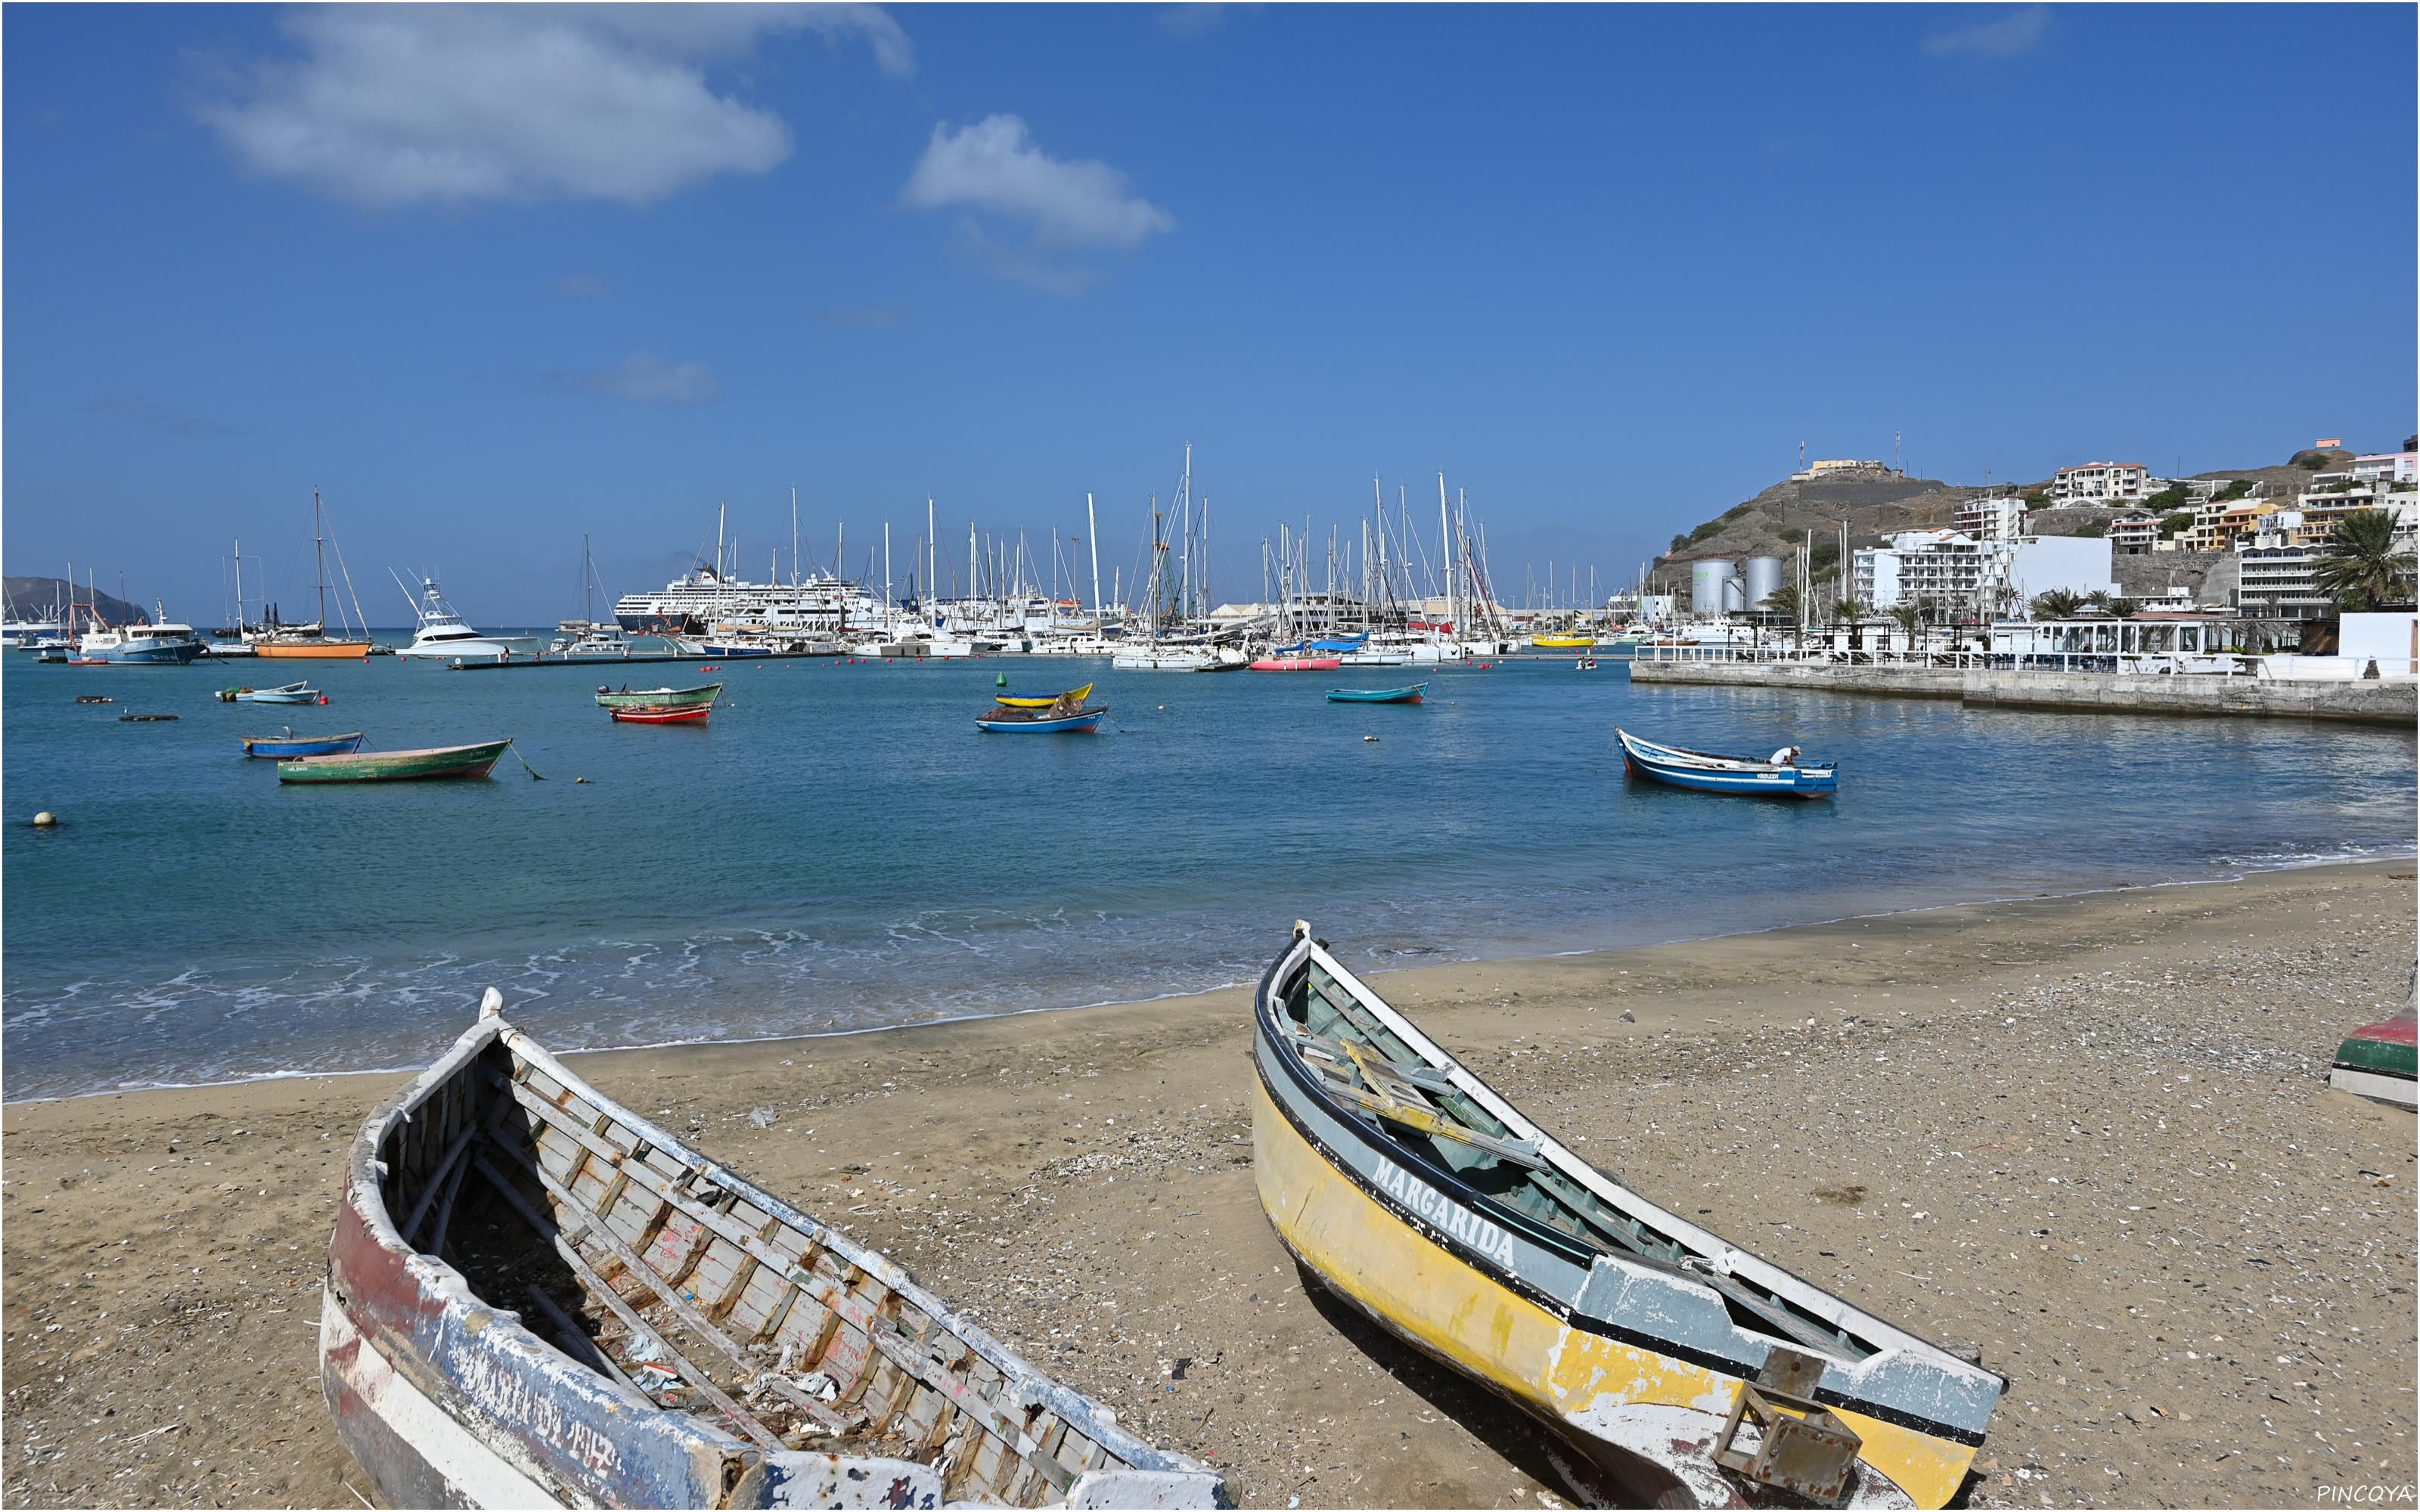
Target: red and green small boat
[[395, 765], [2376, 1060], [663, 713]]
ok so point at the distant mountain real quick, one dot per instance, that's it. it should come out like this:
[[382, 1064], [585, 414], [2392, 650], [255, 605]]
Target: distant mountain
[[37, 597]]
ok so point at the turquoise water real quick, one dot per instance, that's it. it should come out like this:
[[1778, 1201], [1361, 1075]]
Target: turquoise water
[[839, 848]]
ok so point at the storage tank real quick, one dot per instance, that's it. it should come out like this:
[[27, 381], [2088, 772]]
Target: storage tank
[[1764, 577], [1707, 582]]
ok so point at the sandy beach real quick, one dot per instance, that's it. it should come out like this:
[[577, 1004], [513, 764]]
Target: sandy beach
[[2091, 1136]]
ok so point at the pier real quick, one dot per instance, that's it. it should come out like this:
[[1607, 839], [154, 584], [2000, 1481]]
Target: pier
[[2387, 700]]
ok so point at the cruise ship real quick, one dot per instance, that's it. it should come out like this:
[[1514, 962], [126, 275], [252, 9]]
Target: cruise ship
[[703, 599]]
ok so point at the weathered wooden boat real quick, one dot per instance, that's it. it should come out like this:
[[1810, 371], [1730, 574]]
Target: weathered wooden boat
[[1707, 773], [1078, 694], [290, 693], [2379, 1062], [1413, 694], [539, 1298], [662, 713], [705, 693], [394, 765], [1297, 664], [292, 745], [1690, 1371], [1058, 720]]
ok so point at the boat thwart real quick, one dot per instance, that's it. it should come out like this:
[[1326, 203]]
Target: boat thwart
[[1422, 1198], [473, 1354]]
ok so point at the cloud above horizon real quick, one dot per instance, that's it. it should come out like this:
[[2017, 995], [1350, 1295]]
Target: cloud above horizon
[[642, 378], [2010, 35], [159, 417], [994, 167], [395, 108]]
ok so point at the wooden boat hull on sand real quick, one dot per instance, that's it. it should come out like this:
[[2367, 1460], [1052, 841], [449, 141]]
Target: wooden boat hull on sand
[[395, 765], [449, 1393], [661, 697], [1628, 1350], [2379, 1060]]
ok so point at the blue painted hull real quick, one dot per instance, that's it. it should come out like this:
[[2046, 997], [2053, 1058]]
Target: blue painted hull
[[1378, 695], [274, 746], [1074, 724], [174, 654], [731, 652], [1726, 774]]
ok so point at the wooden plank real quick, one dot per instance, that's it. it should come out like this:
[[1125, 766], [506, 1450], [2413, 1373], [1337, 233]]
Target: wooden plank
[[629, 1316], [574, 1340]]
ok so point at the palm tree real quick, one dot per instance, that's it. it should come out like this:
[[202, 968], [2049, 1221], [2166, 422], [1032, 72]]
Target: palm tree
[[1848, 611], [1910, 616], [2363, 568], [2056, 604]]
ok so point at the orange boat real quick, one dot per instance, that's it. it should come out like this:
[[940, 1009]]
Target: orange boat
[[313, 646], [296, 642]]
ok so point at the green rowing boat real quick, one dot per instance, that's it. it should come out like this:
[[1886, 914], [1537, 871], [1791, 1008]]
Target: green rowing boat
[[658, 698], [394, 765]]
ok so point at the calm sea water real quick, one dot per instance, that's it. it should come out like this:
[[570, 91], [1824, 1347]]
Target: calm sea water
[[840, 848]]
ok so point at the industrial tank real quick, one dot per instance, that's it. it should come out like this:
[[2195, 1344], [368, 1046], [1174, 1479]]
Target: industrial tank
[[1764, 577], [1708, 581]]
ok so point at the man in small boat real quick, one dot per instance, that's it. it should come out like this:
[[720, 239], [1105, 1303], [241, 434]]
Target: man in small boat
[[1786, 756]]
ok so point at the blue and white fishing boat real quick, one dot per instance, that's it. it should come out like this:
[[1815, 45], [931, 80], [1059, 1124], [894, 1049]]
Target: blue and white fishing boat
[[275, 747], [1707, 773], [140, 645], [290, 693], [1051, 721]]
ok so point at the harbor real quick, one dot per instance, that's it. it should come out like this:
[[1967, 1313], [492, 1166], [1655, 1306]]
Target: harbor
[[1081, 1183]]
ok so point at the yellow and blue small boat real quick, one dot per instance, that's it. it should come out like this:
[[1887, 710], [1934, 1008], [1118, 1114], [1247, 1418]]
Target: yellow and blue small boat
[[1426, 1200], [1074, 695]]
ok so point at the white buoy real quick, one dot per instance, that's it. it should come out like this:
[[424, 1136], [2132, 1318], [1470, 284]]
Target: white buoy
[[45, 820]]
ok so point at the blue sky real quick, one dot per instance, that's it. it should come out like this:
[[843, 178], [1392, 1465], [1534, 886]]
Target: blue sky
[[491, 279]]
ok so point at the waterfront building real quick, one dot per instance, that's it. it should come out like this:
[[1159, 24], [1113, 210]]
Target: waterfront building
[[1963, 574], [2101, 483], [2278, 578], [2000, 517]]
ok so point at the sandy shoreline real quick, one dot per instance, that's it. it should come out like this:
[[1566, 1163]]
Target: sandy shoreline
[[2089, 1133]]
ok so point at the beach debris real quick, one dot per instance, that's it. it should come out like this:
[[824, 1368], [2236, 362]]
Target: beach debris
[[1370, 739], [763, 1117], [1627, 1016], [45, 820]]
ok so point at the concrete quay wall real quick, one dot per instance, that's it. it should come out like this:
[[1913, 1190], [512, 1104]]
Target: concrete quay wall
[[2381, 701]]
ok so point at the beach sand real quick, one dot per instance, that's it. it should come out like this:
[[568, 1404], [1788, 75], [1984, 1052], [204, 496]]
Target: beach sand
[[2091, 1134]]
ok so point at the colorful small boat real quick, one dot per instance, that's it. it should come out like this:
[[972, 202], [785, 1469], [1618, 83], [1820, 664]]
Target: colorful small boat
[[536, 1297], [2377, 1060], [1297, 664], [291, 745], [1378, 695], [1420, 1196], [705, 693], [394, 765], [662, 713], [290, 693], [1563, 643], [1727, 774], [1042, 721], [1077, 694]]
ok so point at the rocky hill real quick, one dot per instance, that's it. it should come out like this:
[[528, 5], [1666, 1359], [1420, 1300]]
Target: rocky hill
[[37, 597]]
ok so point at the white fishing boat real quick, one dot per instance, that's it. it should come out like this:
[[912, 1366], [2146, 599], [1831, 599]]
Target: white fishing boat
[[445, 635]]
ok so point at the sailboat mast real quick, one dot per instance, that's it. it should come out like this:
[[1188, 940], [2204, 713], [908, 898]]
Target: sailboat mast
[[1445, 540], [320, 558], [794, 539], [721, 510], [932, 561], [1092, 539]]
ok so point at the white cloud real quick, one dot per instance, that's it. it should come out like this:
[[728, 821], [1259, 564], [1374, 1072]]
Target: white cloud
[[451, 106], [642, 378], [993, 166], [2018, 32]]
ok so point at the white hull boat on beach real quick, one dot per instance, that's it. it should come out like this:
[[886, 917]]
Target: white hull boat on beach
[[536, 1298]]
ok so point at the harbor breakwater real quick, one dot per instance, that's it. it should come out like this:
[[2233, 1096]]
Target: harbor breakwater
[[2380, 701]]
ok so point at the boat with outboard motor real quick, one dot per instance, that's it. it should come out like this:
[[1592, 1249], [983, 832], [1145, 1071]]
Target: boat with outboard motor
[[473, 1351], [1690, 1371], [1707, 773]]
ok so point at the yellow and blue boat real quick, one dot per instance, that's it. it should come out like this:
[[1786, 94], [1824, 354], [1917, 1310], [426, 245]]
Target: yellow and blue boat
[[1417, 1193], [1076, 695]]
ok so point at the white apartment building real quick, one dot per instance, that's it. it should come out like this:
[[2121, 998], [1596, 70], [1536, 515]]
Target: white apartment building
[[2101, 483], [2135, 534], [2395, 467], [2001, 518], [1964, 574], [2279, 580]]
